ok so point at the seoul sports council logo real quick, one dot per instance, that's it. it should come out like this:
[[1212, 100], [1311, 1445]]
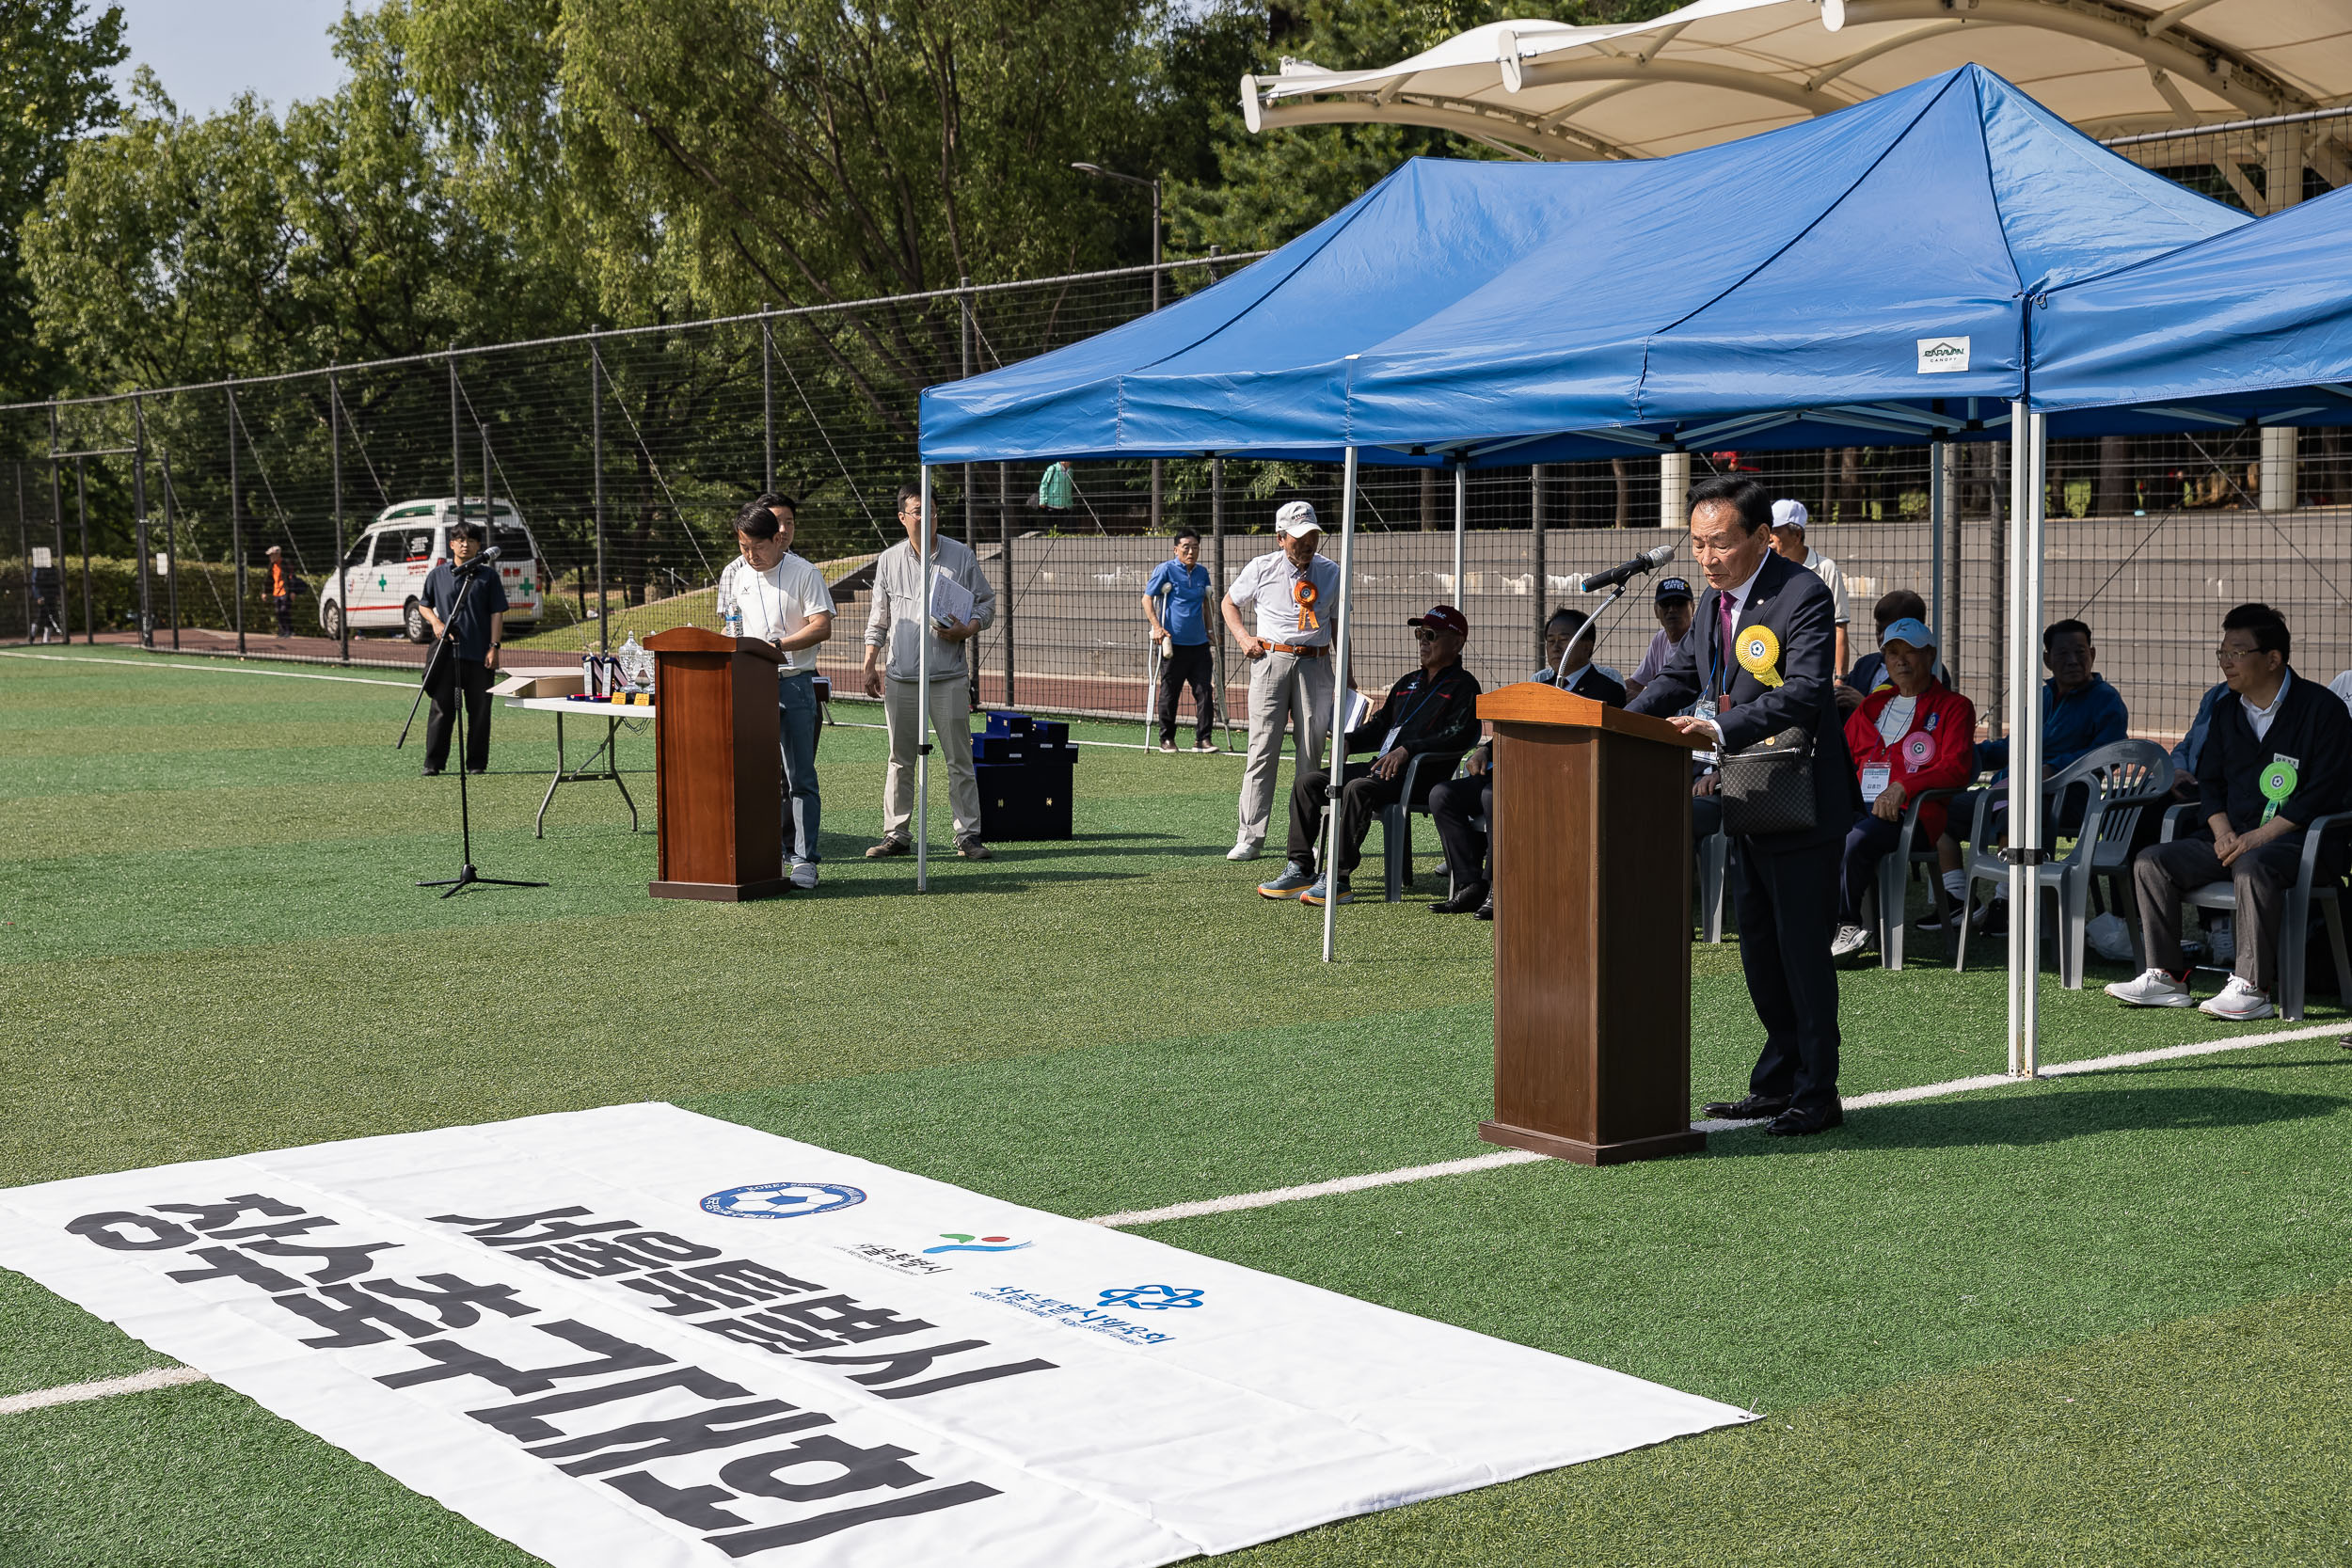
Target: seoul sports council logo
[[782, 1200], [1151, 1298], [958, 1241]]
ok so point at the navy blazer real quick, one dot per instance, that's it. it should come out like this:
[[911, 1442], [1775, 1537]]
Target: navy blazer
[[1796, 606]]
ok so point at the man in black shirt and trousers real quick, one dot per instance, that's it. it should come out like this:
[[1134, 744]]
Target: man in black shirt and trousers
[[1431, 713], [2277, 757], [464, 668], [1760, 659]]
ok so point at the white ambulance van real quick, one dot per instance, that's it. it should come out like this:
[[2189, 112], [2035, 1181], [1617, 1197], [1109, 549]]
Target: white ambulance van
[[384, 573]]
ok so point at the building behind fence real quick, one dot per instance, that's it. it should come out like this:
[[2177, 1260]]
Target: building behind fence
[[627, 453]]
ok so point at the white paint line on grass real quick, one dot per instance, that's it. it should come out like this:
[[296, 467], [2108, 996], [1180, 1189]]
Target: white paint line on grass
[[204, 669], [168, 1377], [74, 1393], [1859, 1103]]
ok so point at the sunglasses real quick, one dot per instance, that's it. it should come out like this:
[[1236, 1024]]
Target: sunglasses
[[1425, 635]]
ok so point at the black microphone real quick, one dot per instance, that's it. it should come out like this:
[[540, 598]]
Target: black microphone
[[485, 558], [1640, 563]]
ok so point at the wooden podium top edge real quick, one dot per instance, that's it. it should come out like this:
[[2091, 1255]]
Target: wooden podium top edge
[[695, 640], [1535, 703]]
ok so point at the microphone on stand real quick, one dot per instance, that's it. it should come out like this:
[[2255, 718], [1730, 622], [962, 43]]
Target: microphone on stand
[[487, 557], [1648, 561]]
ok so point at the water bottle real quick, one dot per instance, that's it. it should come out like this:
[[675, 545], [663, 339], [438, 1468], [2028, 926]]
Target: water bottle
[[733, 623]]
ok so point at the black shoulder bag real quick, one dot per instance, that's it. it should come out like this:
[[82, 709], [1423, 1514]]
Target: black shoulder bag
[[1768, 788]]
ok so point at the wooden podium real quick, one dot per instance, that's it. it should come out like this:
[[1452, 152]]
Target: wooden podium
[[717, 772], [1592, 888]]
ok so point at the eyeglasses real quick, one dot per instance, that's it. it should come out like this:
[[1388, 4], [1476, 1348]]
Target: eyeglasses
[[2230, 655], [1422, 634]]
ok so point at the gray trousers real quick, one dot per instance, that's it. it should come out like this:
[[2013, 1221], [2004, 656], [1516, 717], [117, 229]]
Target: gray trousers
[[2163, 872], [951, 731], [1286, 692]]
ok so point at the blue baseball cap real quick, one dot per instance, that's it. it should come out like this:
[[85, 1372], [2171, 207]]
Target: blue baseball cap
[[1909, 629], [1672, 587]]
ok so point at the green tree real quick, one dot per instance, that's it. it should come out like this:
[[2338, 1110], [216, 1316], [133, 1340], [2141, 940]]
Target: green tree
[[54, 90]]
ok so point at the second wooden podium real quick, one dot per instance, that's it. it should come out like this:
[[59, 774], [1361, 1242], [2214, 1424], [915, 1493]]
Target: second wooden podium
[[717, 772], [1592, 888]]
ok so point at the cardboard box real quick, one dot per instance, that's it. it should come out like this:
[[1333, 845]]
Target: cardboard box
[[538, 686]]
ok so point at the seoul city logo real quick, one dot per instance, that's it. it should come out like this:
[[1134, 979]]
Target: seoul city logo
[[782, 1200], [1152, 1298], [959, 1242]]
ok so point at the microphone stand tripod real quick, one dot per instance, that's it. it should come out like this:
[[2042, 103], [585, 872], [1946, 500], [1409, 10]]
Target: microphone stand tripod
[[467, 875]]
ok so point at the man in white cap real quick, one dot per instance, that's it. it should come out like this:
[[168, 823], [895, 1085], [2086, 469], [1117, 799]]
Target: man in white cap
[[1789, 521], [1293, 596]]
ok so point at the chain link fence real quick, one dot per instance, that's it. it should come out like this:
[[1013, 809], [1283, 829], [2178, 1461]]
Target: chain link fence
[[618, 459]]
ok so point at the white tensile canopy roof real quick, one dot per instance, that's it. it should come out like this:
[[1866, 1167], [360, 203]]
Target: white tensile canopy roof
[[1723, 69]]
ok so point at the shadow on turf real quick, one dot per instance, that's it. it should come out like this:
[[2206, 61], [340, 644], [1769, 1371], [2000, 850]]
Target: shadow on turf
[[2028, 1120]]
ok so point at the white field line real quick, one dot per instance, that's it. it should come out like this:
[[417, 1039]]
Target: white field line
[[204, 669], [73, 1393], [166, 1377], [1519, 1157]]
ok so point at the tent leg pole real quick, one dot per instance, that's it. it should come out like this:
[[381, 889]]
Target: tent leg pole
[[2028, 474], [1337, 744], [922, 697]]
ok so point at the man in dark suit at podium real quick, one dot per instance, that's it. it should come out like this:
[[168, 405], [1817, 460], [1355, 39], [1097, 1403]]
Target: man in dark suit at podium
[[1784, 885]]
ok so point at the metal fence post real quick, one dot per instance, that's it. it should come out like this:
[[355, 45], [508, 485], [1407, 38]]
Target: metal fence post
[[236, 518], [1955, 531], [767, 401], [56, 520], [139, 507], [595, 440], [456, 445], [171, 553], [1003, 599], [1535, 507], [24, 549], [81, 511], [335, 450]]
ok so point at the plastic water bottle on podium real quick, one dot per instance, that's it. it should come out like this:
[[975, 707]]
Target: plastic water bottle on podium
[[733, 623]]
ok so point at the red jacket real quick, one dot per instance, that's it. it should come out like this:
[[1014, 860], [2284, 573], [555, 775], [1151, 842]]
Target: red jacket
[[1944, 759]]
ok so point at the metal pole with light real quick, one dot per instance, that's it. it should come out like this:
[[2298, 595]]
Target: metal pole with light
[[1099, 172]]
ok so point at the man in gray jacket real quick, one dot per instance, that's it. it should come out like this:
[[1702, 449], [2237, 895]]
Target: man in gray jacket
[[899, 617]]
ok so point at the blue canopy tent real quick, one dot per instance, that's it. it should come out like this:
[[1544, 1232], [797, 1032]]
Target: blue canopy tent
[[2251, 327], [1859, 279]]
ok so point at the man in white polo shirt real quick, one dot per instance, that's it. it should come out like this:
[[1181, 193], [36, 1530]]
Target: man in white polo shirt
[[783, 602], [1293, 596], [1789, 521]]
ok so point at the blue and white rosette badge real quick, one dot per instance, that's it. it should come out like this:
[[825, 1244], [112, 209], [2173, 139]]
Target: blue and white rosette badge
[[782, 1200]]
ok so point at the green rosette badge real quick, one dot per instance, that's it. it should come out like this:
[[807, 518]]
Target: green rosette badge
[[2277, 783]]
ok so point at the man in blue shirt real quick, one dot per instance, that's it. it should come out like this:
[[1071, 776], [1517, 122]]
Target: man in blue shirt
[[473, 633], [1175, 601], [2080, 713]]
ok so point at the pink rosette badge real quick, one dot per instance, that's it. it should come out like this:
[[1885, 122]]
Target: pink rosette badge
[[1917, 750]]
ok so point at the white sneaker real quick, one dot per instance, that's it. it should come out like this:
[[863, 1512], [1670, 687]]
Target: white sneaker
[[2239, 1003], [2154, 989], [1245, 849], [804, 874], [1851, 940]]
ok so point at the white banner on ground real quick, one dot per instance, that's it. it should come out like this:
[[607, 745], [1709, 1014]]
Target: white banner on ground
[[638, 1336]]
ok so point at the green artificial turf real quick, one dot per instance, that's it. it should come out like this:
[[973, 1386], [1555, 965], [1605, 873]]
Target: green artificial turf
[[210, 943]]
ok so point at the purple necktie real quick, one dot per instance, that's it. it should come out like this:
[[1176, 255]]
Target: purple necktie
[[1722, 618]]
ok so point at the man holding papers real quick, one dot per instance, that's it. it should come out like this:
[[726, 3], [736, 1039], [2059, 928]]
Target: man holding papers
[[962, 605]]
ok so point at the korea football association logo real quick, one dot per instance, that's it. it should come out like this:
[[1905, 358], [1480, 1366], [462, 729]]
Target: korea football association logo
[[782, 1200]]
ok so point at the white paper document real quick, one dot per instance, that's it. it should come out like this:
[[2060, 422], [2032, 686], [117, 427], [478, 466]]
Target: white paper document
[[950, 599]]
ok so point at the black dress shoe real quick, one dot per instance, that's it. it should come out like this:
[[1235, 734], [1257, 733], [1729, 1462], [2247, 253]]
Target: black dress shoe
[[1462, 902], [1757, 1107], [1794, 1124], [432, 773], [1487, 909]]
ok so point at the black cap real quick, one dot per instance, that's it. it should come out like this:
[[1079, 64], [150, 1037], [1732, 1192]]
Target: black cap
[[1673, 588]]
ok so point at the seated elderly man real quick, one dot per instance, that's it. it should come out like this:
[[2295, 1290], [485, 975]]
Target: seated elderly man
[[1868, 673], [1431, 713], [2278, 755], [1909, 737], [1457, 805]]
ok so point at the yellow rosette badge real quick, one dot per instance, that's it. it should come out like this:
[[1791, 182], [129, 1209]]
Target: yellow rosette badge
[[1759, 651]]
